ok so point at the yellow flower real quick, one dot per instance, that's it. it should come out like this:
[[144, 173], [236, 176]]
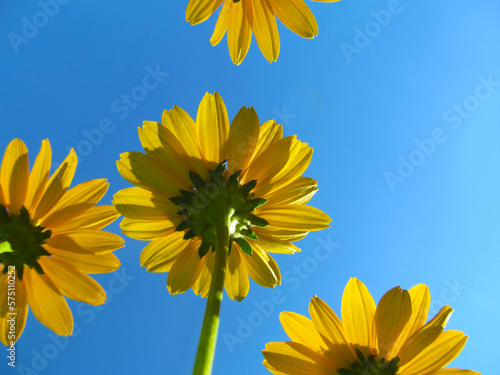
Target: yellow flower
[[182, 179], [54, 240], [241, 18], [388, 339]]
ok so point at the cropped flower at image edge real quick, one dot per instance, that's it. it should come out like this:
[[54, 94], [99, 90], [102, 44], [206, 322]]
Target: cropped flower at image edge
[[388, 339], [51, 239]]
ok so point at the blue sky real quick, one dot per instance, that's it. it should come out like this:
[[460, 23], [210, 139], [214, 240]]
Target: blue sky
[[403, 114]]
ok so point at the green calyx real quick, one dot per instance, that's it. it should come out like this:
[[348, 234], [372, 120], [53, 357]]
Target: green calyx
[[224, 200], [22, 241], [371, 366]]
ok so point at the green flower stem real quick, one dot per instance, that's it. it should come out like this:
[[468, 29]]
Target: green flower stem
[[208, 337]]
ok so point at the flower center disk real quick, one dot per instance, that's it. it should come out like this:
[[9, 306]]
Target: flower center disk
[[25, 240], [222, 199]]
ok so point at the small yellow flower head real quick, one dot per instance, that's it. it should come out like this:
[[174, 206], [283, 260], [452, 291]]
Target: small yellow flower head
[[388, 339], [241, 18], [195, 172], [50, 239]]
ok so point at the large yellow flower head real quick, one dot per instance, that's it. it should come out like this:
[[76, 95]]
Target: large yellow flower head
[[193, 170], [388, 339], [241, 18], [51, 240]]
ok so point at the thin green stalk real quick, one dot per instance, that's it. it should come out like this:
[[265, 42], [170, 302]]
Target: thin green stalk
[[208, 337]]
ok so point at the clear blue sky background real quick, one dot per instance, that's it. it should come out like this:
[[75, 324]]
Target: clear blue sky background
[[364, 112]]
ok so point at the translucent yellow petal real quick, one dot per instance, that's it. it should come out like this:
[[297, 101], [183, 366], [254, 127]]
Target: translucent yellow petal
[[296, 16], [270, 132], [296, 359], [85, 241], [301, 329], [144, 171], [88, 263], [14, 175], [392, 314], [272, 244], [185, 270], [243, 136], [145, 230], [213, 129], [202, 285], [437, 355], [221, 25], [455, 371], [47, 303], [265, 29], [10, 332], [163, 249], [261, 267], [239, 30], [162, 144], [358, 309], [330, 328], [199, 10], [75, 202], [138, 203], [420, 302], [57, 185], [236, 281], [96, 217], [282, 234], [299, 191], [72, 283], [39, 176], [424, 336], [294, 217]]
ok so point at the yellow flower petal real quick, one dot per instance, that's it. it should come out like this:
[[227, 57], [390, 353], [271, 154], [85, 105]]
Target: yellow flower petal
[[88, 263], [236, 281], [138, 203], [301, 329], [144, 171], [296, 16], [269, 133], [243, 136], [164, 249], [221, 25], [202, 285], [261, 267], [392, 314], [145, 230], [213, 129], [47, 304], [72, 283], [437, 355], [455, 371], [8, 333], [86, 241], [299, 191], [96, 217], [39, 176], [295, 217], [57, 185], [272, 244], [330, 327], [296, 359], [265, 29], [358, 311], [199, 10], [239, 31], [185, 270], [75, 202], [14, 175], [424, 336]]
